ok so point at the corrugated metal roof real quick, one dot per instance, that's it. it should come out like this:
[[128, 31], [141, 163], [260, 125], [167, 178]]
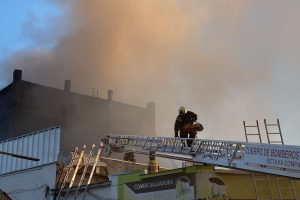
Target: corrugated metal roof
[[43, 144]]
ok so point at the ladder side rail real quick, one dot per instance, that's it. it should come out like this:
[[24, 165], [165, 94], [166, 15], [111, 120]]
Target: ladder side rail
[[269, 186], [205, 140], [267, 131], [274, 133], [258, 129], [75, 171], [213, 149], [116, 138], [278, 187], [255, 186], [293, 188], [84, 172], [66, 177], [279, 128], [245, 130], [92, 171]]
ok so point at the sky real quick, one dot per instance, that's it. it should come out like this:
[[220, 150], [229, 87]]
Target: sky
[[14, 15], [228, 61]]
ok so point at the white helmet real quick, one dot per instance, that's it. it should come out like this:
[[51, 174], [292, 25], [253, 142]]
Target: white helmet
[[182, 110]]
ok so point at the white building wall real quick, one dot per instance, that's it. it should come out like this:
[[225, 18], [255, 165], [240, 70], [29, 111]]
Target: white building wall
[[43, 144], [30, 184]]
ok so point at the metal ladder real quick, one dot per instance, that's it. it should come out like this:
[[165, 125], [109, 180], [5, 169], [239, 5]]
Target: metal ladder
[[101, 146], [258, 177], [270, 134], [69, 172], [84, 171], [286, 192], [262, 178], [283, 191], [252, 134], [83, 180]]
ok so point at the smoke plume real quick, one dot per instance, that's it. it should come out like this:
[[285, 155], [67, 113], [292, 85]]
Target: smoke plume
[[227, 61]]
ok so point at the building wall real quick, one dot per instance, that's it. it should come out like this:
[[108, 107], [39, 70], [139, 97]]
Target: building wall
[[43, 145], [5, 112], [27, 107], [204, 183], [35, 108], [30, 184], [85, 120], [101, 191]]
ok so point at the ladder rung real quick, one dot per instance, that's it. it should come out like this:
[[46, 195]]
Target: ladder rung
[[261, 179], [272, 124], [274, 133], [90, 164], [275, 142], [283, 178], [252, 134], [250, 126], [286, 188]]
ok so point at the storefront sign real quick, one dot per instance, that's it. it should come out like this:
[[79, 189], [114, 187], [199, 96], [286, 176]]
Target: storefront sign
[[175, 186], [273, 155]]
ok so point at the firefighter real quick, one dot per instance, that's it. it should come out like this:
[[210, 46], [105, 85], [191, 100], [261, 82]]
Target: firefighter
[[185, 125]]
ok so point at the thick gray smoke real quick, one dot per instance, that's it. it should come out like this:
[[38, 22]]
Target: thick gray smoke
[[227, 61]]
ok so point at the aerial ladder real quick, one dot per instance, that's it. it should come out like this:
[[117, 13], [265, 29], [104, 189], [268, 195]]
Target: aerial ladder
[[257, 157], [281, 160]]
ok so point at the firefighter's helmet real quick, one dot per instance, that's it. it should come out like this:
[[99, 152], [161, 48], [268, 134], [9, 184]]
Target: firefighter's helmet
[[182, 110]]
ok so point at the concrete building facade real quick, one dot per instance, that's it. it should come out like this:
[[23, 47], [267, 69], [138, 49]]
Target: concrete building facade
[[27, 107]]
